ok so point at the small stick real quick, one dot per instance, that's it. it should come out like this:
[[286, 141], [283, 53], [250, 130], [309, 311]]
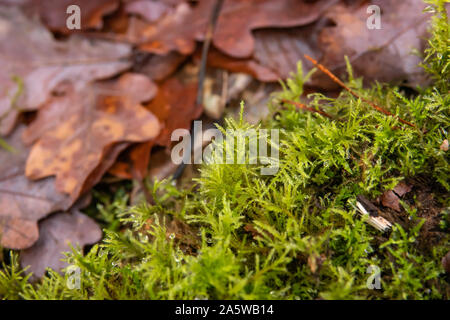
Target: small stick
[[339, 82], [206, 44], [202, 72], [366, 208], [305, 107]]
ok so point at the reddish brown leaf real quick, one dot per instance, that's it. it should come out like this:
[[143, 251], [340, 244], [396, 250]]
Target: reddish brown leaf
[[41, 64], [255, 233], [183, 234], [237, 19], [134, 163], [174, 112], [378, 54], [24, 202], [217, 59], [383, 55], [57, 233], [158, 68], [180, 113], [390, 199], [401, 189], [108, 161], [76, 131], [280, 50]]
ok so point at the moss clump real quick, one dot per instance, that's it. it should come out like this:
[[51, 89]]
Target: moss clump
[[237, 234]]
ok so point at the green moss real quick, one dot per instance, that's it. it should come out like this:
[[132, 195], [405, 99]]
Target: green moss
[[293, 235]]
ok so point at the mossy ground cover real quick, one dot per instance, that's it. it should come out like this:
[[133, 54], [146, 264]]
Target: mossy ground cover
[[236, 234]]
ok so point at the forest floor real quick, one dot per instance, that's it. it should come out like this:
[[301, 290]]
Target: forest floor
[[349, 201]]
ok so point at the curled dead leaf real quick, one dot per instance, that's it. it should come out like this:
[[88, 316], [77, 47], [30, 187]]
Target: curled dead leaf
[[57, 233], [390, 199], [24, 202], [237, 20], [402, 188]]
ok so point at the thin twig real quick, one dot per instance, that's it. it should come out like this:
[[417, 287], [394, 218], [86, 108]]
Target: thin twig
[[206, 44], [343, 85], [202, 72], [305, 107]]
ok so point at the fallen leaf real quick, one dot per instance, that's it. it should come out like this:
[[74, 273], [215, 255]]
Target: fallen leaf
[[24, 202], [180, 113], [377, 54], [75, 131], [173, 113], [390, 199], [383, 55], [281, 49], [134, 163], [158, 67], [107, 162], [33, 64], [57, 233], [401, 189], [237, 20], [217, 59]]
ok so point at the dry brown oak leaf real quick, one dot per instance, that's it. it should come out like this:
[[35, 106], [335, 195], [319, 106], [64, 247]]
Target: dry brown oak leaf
[[158, 67], [175, 106], [277, 52], [75, 131], [391, 198], [57, 233], [24, 202], [383, 55], [33, 64], [233, 34], [217, 59]]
